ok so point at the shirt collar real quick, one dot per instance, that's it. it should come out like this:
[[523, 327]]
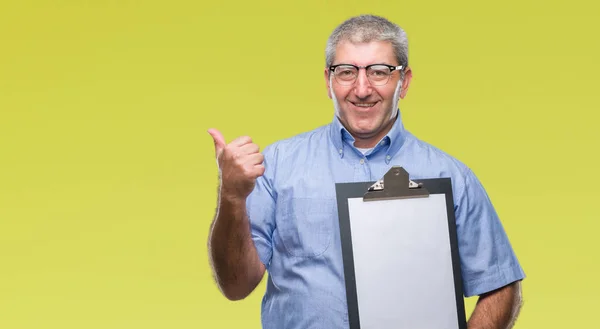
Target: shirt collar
[[391, 142]]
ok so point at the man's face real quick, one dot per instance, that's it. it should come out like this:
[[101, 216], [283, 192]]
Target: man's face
[[366, 110]]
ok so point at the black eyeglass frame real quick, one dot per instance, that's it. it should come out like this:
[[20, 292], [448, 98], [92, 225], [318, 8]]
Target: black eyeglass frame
[[391, 67]]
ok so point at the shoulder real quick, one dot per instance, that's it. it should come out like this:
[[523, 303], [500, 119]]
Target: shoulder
[[432, 160], [296, 146]]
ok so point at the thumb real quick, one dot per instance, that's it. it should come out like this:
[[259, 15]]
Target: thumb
[[219, 141]]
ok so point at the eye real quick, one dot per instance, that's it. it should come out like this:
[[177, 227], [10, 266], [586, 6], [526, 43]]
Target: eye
[[379, 72], [345, 73]]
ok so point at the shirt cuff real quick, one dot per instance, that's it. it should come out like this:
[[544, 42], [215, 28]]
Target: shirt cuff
[[493, 281]]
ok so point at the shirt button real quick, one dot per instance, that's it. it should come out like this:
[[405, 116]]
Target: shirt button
[[388, 157], [341, 151], [362, 161]]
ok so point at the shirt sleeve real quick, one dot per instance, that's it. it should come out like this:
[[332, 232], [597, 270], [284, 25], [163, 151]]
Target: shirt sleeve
[[260, 207], [487, 258]]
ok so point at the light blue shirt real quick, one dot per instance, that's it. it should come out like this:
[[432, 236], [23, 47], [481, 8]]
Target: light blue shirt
[[294, 221]]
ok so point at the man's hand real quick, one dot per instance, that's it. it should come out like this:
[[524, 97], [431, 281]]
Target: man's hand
[[240, 164]]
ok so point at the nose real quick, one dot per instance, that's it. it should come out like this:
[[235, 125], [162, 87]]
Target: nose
[[362, 86]]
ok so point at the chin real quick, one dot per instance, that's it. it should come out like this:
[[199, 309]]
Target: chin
[[363, 122], [366, 122], [365, 128]]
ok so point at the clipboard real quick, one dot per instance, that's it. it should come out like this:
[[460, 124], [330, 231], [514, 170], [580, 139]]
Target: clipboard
[[400, 253]]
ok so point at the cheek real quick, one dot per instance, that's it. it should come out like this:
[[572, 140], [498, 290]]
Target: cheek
[[339, 93], [388, 93]]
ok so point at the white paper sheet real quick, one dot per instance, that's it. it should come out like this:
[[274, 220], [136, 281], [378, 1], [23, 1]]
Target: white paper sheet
[[403, 263]]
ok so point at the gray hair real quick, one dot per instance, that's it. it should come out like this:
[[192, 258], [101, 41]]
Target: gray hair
[[367, 28]]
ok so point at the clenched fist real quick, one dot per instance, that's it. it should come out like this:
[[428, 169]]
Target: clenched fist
[[240, 164]]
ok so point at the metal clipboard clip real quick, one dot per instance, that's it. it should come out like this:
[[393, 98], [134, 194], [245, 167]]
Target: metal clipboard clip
[[395, 185]]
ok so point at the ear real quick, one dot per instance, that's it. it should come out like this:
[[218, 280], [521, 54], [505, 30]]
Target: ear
[[326, 74], [406, 82]]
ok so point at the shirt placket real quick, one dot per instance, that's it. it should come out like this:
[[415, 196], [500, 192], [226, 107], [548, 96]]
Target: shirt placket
[[362, 169]]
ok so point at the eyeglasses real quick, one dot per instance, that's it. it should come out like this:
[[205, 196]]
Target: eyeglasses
[[378, 74]]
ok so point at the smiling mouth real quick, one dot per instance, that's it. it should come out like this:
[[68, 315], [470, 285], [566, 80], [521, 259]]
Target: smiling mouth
[[364, 105]]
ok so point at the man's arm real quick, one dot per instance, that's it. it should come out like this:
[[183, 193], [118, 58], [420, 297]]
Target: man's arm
[[234, 259], [497, 309], [237, 269]]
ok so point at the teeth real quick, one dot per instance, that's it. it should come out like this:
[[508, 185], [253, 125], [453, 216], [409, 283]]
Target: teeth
[[364, 104]]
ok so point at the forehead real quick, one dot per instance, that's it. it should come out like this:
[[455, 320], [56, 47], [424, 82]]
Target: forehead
[[365, 53]]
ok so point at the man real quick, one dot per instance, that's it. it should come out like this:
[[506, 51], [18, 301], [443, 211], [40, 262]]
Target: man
[[277, 209]]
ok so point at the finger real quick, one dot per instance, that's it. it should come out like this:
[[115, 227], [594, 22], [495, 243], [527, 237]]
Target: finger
[[219, 141], [255, 159], [257, 171], [241, 141], [249, 148]]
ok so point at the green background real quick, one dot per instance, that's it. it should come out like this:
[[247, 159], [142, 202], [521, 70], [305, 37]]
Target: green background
[[108, 177]]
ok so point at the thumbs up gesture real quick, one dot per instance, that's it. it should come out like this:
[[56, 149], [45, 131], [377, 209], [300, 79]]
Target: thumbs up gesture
[[240, 164]]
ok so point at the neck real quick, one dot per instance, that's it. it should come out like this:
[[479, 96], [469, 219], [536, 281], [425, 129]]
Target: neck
[[366, 143]]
